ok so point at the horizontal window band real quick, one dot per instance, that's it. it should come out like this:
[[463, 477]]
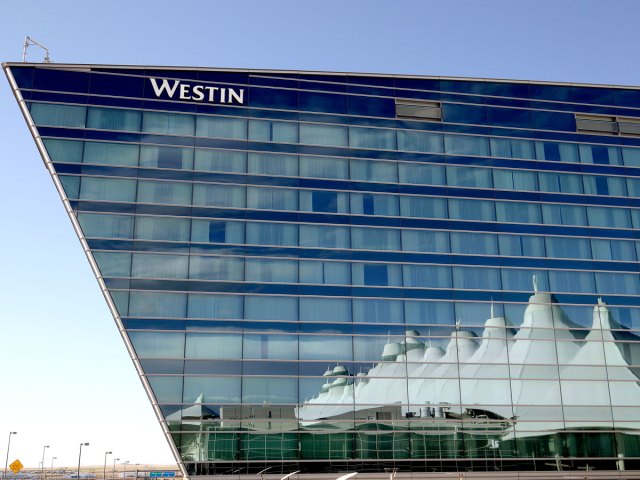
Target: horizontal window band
[[356, 330], [250, 146], [389, 293], [388, 258], [301, 183], [86, 206]]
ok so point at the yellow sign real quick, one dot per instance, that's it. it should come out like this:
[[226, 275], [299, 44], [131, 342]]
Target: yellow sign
[[16, 466]]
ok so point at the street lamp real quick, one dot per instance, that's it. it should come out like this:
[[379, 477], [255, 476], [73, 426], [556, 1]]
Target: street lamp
[[124, 469], [104, 472], [6, 461], [114, 468], [85, 444], [52, 459], [42, 462]]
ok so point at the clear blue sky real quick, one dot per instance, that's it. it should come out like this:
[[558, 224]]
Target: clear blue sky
[[65, 375]]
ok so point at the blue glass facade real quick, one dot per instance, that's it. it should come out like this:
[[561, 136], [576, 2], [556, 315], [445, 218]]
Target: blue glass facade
[[334, 272]]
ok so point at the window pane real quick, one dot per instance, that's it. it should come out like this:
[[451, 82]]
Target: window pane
[[170, 193], [106, 226], [420, 141], [423, 174], [375, 239], [323, 135], [469, 177], [271, 270], [425, 241], [272, 198], [215, 306], [325, 310], [207, 345], [69, 151], [220, 161], [271, 308], [466, 145], [217, 231], [324, 167], [377, 138], [216, 268], [221, 127], [158, 344], [371, 204], [171, 229], [270, 131], [377, 311], [325, 236], [272, 164], [58, 115], [166, 157], [114, 119], [218, 195], [480, 210], [111, 153], [168, 123], [108, 189], [159, 266], [371, 171], [149, 304], [423, 207], [474, 243], [272, 234]]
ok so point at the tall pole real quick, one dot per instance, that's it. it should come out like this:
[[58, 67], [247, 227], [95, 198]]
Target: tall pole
[[104, 472], [85, 444], [42, 462], [52, 459], [124, 469], [114, 467], [6, 460]]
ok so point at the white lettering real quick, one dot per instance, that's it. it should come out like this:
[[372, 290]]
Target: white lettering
[[184, 92], [211, 91], [238, 97], [164, 87], [198, 94]]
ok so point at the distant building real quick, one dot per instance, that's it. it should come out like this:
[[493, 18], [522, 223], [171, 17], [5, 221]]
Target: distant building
[[332, 272]]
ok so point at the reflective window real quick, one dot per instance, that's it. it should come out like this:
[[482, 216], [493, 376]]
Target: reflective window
[[168, 123], [221, 127], [166, 157], [68, 151], [312, 134], [111, 153], [58, 115], [271, 131], [114, 119], [272, 164], [108, 189]]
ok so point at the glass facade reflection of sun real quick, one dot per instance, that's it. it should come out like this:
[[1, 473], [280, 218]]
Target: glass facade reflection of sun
[[345, 272]]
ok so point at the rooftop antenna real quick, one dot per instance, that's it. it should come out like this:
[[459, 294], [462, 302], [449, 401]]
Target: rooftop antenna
[[30, 41]]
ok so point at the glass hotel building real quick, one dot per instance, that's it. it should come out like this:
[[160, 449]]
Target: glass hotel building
[[329, 272]]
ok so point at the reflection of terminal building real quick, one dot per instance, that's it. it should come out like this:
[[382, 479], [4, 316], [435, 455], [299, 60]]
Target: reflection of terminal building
[[343, 272]]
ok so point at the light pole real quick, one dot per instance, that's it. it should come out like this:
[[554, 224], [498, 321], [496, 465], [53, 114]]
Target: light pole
[[52, 459], [124, 469], [104, 472], [42, 462], [6, 460], [114, 468], [85, 444]]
